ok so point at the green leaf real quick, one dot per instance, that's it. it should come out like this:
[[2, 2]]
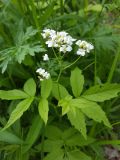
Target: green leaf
[[46, 87], [18, 111], [33, 133], [100, 93], [43, 109], [55, 155], [51, 145], [30, 87], [77, 119], [9, 137], [78, 155], [65, 104], [77, 82], [53, 132], [59, 91], [91, 109], [13, 94], [79, 140]]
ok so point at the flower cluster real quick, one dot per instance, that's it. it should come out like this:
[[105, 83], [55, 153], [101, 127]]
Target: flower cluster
[[42, 74], [61, 40], [83, 47]]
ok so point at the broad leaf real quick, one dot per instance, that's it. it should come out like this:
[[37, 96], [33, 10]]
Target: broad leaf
[[43, 109], [8, 137], [59, 91], [91, 109], [46, 87], [77, 82], [77, 119], [18, 111], [51, 145], [55, 155], [65, 104], [79, 140], [13, 94], [53, 132], [33, 133], [78, 155], [101, 93], [30, 87]]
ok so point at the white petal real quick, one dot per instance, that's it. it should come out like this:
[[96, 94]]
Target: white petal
[[81, 52]]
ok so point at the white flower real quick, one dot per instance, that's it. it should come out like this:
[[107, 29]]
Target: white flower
[[84, 46], [65, 48], [81, 52], [48, 33], [51, 43], [61, 40], [89, 47], [42, 74], [45, 57]]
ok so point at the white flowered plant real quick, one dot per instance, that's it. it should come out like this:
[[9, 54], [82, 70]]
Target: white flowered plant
[[42, 74], [64, 43]]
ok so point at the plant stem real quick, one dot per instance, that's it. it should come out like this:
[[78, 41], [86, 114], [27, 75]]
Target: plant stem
[[34, 13], [62, 11], [72, 63], [59, 75], [95, 69], [42, 144], [110, 76]]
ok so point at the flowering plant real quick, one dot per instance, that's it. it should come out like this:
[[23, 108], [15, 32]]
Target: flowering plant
[[59, 86]]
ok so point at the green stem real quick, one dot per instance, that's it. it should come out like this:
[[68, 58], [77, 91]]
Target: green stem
[[72, 63], [42, 144], [88, 66], [95, 69], [110, 76], [34, 13], [61, 10], [59, 75], [55, 55]]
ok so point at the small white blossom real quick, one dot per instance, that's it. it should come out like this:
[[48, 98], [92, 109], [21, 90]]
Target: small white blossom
[[81, 52], [65, 48], [83, 47], [45, 57], [48, 33], [42, 74]]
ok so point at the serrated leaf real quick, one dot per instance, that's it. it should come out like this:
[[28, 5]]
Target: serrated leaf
[[13, 94], [77, 119], [46, 87], [18, 111], [59, 91], [77, 82], [100, 93], [78, 155], [91, 109], [30, 87], [65, 104], [43, 109]]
